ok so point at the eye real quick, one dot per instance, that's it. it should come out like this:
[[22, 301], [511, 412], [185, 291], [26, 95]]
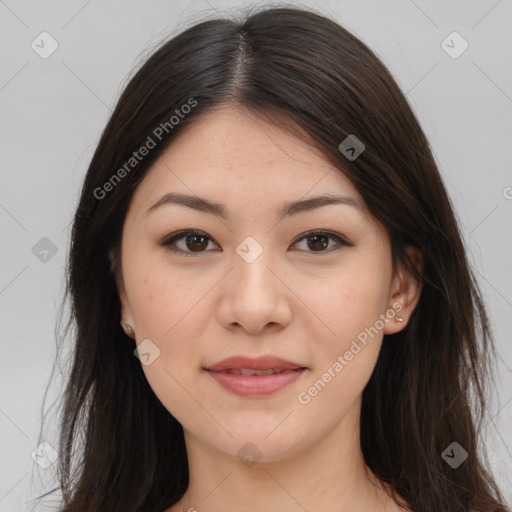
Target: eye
[[196, 241], [319, 241]]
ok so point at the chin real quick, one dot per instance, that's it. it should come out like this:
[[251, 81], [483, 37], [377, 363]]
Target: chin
[[258, 444]]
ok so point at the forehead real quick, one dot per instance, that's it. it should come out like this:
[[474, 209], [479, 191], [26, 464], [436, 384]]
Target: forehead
[[233, 155], [230, 136]]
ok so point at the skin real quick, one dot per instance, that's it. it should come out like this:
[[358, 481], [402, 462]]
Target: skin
[[297, 301]]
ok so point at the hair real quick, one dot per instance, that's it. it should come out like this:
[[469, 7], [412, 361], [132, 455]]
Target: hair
[[307, 74]]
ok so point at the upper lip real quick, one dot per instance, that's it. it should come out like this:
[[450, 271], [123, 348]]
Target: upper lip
[[259, 363]]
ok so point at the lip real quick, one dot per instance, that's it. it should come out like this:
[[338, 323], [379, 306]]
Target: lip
[[258, 363], [255, 385]]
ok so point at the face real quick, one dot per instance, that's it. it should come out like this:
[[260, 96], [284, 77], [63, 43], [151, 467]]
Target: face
[[314, 287]]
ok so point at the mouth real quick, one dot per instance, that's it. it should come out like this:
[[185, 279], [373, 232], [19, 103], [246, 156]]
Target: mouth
[[255, 377], [253, 371], [267, 364], [252, 383]]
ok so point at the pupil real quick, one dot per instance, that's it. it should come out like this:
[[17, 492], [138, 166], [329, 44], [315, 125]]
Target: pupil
[[194, 245], [315, 245], [322, 245]]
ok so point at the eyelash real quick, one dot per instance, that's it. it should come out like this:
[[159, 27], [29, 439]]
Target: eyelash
[[172, 239]]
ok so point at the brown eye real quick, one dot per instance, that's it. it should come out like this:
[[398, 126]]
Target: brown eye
[[194, 242], [318, 241]]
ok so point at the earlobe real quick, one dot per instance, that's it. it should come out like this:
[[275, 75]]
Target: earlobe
[[406, 291], [126, 320], [128, 329]]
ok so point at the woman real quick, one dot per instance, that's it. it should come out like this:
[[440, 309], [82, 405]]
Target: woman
[[273, 304]]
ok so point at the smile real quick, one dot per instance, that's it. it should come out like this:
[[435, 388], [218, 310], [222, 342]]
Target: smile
[[249, 382]]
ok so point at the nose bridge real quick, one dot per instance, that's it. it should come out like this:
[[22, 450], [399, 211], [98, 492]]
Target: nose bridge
[[256, 293], [252, 263]]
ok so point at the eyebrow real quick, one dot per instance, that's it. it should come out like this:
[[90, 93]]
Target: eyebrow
[[220, 210]]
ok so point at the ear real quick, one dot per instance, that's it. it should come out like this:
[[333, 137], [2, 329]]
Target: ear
[[405, 292], [126, 312]]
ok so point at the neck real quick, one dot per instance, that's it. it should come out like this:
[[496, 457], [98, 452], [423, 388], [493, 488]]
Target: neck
[[330, 475]]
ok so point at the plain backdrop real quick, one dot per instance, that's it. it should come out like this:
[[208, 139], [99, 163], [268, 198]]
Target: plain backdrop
[[53, 111]]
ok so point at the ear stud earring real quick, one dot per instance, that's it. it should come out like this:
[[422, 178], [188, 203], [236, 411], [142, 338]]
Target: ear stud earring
[[398, 319], [127, 327]]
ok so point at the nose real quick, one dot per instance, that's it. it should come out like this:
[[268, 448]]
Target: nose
[[256, 296]]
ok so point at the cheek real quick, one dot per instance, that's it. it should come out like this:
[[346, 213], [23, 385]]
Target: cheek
[[350, 300], [349, 348], [167, 311], [161, 299]]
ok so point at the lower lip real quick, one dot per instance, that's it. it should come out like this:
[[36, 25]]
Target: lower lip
[[256, 385]]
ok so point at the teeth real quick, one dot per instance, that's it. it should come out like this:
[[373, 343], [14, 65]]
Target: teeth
[[252, 371]]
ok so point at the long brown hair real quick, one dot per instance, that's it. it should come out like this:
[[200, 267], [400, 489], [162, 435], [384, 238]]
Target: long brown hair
[[306, 73]]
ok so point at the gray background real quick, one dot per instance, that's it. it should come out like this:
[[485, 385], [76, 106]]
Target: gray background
[[53, 112]]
